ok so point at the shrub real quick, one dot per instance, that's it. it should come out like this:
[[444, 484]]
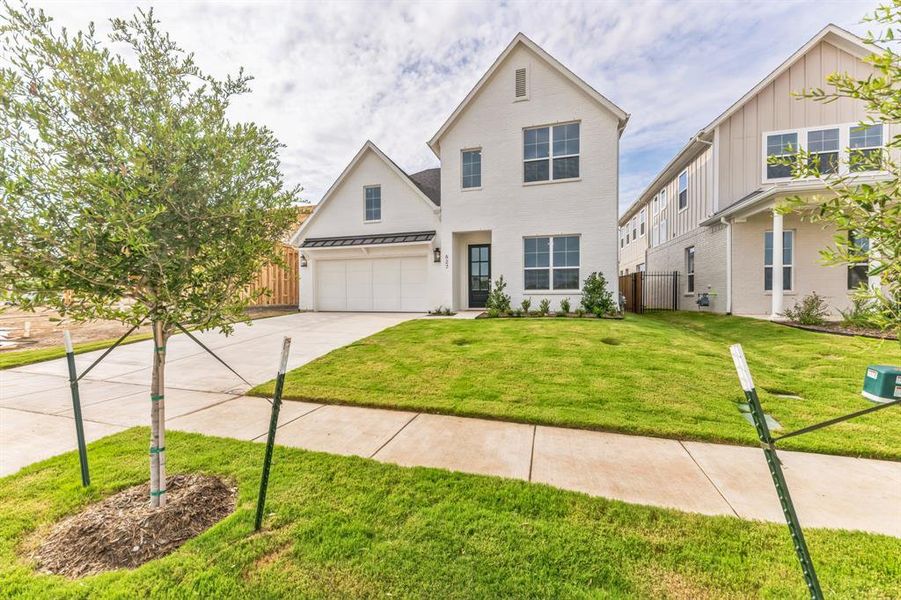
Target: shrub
[[493, 313], [596, 298], [863, 313], [810, 310], [565, 306], [516, 313], [544, 307], [525, 305], [580, 312], [498, 299]]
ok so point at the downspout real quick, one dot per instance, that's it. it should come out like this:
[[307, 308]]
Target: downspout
[[728, 225]]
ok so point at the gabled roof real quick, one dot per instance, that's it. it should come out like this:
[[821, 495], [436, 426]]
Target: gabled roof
[[367, 147], [521, 39], [831, 33]]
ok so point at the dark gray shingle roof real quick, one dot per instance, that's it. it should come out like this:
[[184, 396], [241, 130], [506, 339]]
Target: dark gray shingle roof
[[429, 181]]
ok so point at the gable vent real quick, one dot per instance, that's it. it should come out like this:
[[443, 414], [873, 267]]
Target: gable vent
[[520, 83]]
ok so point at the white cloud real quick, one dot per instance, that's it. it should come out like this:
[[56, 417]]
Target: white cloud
[[331, 75]]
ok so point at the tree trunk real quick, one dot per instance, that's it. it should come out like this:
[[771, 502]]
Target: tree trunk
[[158, 418]]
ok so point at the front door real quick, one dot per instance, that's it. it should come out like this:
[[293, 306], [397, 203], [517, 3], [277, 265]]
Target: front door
[[479, 274]]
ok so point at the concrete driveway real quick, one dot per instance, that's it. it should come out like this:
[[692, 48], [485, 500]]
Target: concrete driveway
[[36, 406]]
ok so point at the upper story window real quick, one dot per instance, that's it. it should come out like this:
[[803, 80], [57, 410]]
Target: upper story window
[[642, 221], [823, 145], [655, 207], [634, 225], [622, 239], [472, 168], [663, 231], [662, 199], [683, 190], [551, 153], [834, 150], [655, 234], [374, 203], [866, 148], [780, 145]]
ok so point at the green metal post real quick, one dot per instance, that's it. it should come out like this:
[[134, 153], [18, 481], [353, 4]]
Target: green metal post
[[772, 461], [270, 439], [76, 406]]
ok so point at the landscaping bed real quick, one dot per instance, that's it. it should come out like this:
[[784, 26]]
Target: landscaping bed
[[353, 528], [661, 374], [123, 531]]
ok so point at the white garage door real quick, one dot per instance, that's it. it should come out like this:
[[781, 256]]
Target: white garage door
[[376, 284]]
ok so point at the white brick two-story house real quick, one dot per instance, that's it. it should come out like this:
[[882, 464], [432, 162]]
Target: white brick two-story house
[[710, 212], [527, 189]]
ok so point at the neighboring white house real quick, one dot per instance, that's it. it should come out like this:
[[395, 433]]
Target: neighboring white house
[[527, 189], [710, 212]]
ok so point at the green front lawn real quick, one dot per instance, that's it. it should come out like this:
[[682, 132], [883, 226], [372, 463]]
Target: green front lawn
[[349, 527], [19, 358], [668, 374]]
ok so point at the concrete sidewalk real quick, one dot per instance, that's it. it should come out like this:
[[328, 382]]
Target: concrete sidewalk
[[712, 479]]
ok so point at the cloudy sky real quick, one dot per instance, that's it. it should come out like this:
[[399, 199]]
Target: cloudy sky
[[329, 75]]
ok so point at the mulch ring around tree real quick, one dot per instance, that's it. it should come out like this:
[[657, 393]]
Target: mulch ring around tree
[[124, 532]]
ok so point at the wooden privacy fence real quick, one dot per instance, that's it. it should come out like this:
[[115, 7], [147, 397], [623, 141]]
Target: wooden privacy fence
[[282, 282], [650, 291]]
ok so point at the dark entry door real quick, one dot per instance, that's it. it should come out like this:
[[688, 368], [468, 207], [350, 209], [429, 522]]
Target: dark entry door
[[479, 274]]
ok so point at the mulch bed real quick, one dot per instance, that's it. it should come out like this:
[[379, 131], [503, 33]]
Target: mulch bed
[[839, 329], [123, 531]]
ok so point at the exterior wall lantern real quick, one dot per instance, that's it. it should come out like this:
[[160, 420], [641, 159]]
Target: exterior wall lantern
[[303, 261], [437, 255]]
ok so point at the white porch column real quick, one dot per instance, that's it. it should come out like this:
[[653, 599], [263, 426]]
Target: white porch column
[[777, 267]]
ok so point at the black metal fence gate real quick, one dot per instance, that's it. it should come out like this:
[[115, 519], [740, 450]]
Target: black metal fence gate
[[643, 292]]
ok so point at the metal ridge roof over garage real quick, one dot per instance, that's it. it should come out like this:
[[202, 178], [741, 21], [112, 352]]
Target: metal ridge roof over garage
[[369, 240]]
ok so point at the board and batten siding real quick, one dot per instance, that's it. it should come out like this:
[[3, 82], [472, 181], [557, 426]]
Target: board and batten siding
[[774, 109], [700, 198]]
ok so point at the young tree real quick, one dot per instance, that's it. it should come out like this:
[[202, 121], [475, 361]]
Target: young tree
[[126, 193], [867, 211]]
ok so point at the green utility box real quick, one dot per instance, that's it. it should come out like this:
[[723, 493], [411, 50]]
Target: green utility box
[[882, 383]]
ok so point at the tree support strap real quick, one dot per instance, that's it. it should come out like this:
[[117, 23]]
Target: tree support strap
[[157, 492], [213, 354], [156, 450], [111, 348], [156, 397]]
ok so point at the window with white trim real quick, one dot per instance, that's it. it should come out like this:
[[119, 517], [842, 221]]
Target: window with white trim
[[622, 239], [654, 206], [655, 234], [859, 272], [840, 149], [865, 148], [551, 263], [788, 255], [823, 146], [634, 226], [551, 153], [642, 221], [662, 199], [780, 145], [683, 190], [690, 269], [373, 203], [663, 232], [471, 163]]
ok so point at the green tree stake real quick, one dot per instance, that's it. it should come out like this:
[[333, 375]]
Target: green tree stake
[[270, 439], [772, 461], [76, 407]]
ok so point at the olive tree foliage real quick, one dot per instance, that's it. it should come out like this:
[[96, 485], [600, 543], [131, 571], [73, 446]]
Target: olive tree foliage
[[860, 206], [126, 192], [122, 179]]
